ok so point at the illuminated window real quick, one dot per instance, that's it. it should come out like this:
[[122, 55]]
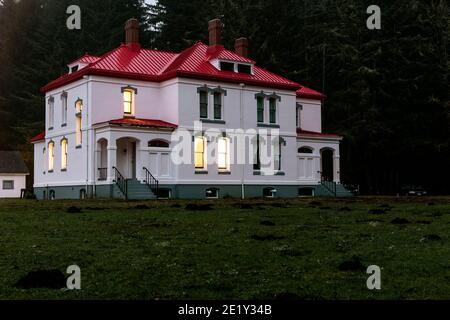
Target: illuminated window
[[223, 154], [51, 156], [78, 123], [79, 106], [200, 153], [128, 101], [64, 154]]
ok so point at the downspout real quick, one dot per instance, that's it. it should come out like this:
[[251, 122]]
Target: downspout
[[242, 127], [87, 135]]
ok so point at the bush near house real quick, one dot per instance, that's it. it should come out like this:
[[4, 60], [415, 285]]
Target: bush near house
[[254, 249]]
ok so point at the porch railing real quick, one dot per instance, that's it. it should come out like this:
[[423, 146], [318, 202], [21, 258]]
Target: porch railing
[[121, 182], [102, 174], [151, 182]]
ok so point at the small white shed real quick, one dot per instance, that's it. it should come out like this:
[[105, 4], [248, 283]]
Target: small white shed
[[13, 173]]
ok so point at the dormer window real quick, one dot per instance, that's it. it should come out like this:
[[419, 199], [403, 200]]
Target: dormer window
[[227, 66], [244, 68], [74, 69], [128, 100]]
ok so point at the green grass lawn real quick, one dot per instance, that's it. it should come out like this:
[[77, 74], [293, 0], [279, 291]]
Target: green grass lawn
[[270, 249]]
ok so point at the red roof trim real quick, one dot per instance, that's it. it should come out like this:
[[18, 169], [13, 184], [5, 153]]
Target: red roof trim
[[301, 132], [39, 137], [143, 123]]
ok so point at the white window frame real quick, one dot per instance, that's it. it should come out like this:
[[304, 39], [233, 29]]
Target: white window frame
[[205, 146], [8, 181], [226, 154], [64, 154], [51, 156], [216, 196], [51, 113], [64, 109]]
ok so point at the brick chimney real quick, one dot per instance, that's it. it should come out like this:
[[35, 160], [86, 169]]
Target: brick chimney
[[132, 34], [215, 32], [241, 47]]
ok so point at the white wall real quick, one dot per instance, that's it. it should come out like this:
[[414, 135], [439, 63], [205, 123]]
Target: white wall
[[19, 184], [310, 115], [175, 101]]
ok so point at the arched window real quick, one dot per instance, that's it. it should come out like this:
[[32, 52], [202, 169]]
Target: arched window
[[64, 154], [158, 144], [78, 122], [51, 156], [305, 150]]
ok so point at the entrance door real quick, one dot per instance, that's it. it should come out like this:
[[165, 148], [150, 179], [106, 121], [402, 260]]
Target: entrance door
[[327, 165]]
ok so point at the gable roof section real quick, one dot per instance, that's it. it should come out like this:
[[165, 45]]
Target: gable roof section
[[86, 59], [11, 162], [157, 66], [219, 52], [308, 93]]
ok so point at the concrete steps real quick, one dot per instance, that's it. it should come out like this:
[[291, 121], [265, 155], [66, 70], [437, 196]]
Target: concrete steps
[[139, 191]]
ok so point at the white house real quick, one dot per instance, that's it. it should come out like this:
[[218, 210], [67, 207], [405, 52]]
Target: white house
[[13, 173], [204, 123]]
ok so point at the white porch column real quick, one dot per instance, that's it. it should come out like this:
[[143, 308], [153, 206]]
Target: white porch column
[[141, 161], [317, 168], [97, 162], [112, 160], [337, 169]]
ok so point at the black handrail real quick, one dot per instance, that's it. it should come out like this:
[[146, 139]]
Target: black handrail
[[151, 182], [330, 185], [121, 182]]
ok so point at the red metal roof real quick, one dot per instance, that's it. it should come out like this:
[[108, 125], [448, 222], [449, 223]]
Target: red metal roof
[[308, 93], [301, 132], [157, 66], [143, 123], [39, 137]]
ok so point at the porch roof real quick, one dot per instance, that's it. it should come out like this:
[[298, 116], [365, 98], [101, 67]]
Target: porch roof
[[146, 123], [301, 133]]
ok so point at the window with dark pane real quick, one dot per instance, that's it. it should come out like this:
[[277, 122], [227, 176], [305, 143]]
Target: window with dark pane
[[203, 104]]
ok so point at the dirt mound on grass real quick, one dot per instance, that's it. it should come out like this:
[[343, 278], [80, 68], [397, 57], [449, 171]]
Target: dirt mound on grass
[[48, 279], [352, 265], [199, 207]]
